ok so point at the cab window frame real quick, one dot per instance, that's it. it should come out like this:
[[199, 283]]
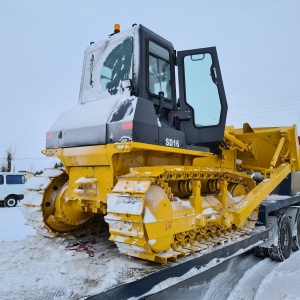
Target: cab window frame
[[169, 62]]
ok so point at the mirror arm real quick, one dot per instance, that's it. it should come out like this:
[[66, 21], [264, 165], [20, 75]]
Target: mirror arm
[[161, 102]]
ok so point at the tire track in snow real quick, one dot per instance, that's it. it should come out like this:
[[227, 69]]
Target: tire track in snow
[[222, 285], [247, 286], [239, 280]]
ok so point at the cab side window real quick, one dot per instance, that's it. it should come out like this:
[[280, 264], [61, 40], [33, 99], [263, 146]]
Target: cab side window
[[15, 179], [1, 179], [159, 77]]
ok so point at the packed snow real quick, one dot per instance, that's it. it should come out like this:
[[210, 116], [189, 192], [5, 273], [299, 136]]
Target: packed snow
[[33, 267], [282, 281]]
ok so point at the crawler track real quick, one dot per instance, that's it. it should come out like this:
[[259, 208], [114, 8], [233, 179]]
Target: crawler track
[[128, 227]]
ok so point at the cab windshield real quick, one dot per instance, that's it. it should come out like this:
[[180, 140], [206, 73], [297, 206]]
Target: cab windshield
[[107, 66]]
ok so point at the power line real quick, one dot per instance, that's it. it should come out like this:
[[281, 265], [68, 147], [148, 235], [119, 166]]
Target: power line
[[259, 117], [26, 158], [260, 102], [286, 105], [29, 143], [263, 111]]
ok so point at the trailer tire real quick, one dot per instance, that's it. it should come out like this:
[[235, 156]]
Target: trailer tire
[[11, 201], [296, 238], [261, 252], [285, 239]]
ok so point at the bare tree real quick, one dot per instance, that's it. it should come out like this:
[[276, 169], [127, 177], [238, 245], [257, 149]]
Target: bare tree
[[3, 165], [10, 155]]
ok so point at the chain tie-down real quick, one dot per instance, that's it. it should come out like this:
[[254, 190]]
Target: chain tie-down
[[83, 246]]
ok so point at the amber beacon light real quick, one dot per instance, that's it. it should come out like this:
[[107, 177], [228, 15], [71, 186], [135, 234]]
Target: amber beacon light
[[117, 28]]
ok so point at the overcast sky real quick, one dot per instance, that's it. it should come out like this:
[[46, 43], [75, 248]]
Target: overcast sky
[[43, 42]]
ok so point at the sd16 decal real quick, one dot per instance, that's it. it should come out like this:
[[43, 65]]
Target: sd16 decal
[[172, 143]]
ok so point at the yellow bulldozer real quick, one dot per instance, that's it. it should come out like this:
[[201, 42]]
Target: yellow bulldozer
[[164, 173]]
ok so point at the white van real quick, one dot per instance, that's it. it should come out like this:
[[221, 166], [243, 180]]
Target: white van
[[12, 188]]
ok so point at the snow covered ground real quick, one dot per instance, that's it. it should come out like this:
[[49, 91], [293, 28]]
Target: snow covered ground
[[33, 267]]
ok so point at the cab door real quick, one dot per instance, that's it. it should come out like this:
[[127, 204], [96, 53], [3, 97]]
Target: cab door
[[202, 100]]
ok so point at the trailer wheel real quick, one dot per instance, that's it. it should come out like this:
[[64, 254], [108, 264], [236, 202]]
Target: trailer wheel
[[11, 201], [261, 252], [296, 238], [285, 239]]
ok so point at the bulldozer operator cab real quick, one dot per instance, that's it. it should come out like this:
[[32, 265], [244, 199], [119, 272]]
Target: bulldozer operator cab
[[129, 84]]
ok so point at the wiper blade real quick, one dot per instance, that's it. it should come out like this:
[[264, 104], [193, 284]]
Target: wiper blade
[[91, 70]]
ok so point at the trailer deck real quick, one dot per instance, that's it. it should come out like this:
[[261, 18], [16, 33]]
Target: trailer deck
[[185, 268]]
